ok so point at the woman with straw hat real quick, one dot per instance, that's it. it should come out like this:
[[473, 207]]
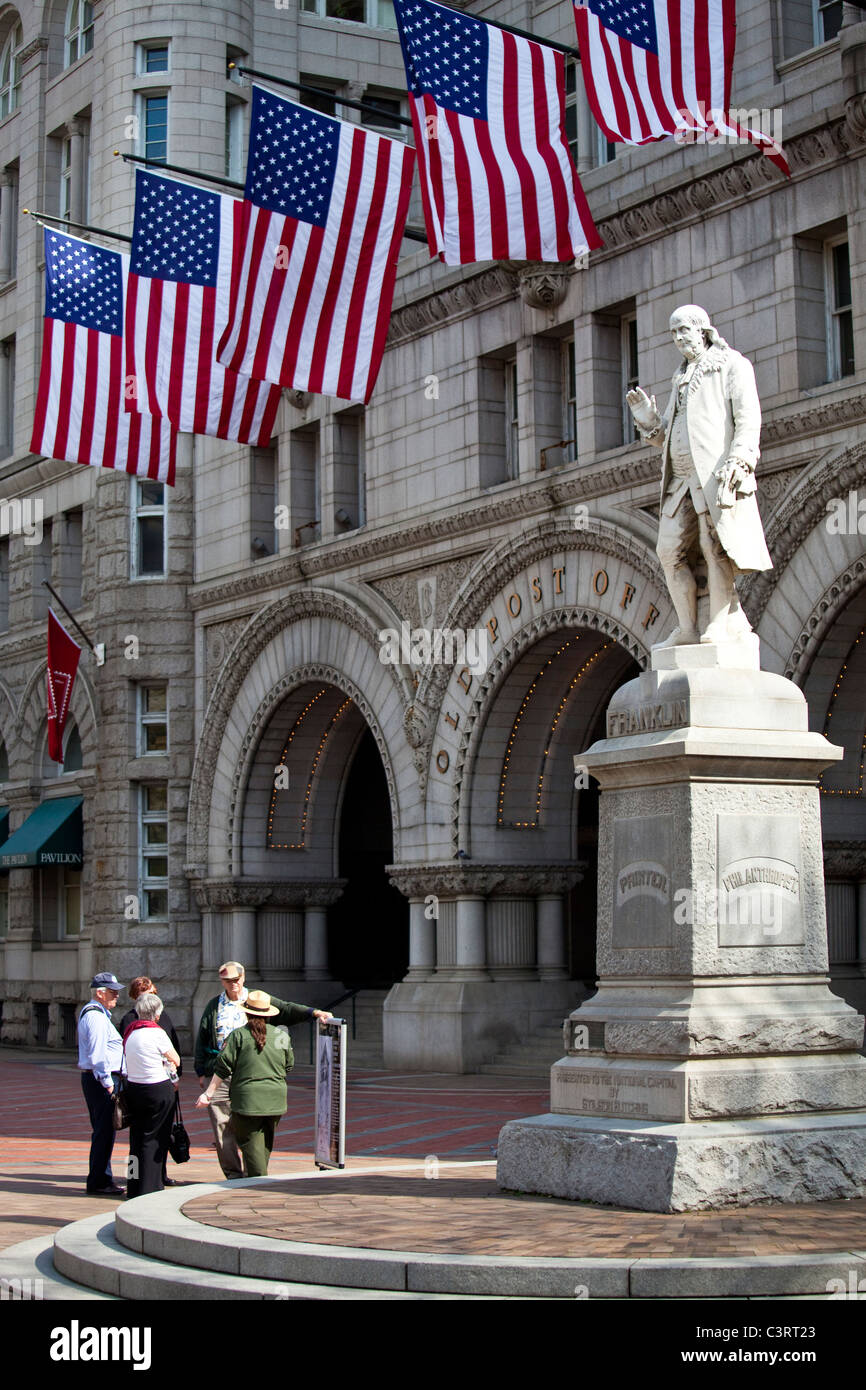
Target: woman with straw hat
[[254, 1061]]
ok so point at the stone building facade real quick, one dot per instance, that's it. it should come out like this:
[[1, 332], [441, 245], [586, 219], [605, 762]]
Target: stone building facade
[[430, 848]]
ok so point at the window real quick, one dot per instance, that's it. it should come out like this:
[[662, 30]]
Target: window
[[74, 201], [4, 585], [79, 31], [152, 57], [379, 13], [4, 903], [390, 108], [4, 763], [148, 531], [571, 107], [70, 903], [10, 72], [234, 161], [8, 222], [153, 842], [511, 419], [305, 494], [263, 502], [630, 375], [57, 894], [41, 569], [828, 19], [7, 397], [73, 758], [326, 104], [840, 321], [152, 719], [349, 476], [569, 398], [605, 150], [69, 557], [153, 125]]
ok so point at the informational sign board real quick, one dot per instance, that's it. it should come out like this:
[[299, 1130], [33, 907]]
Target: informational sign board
[[331, 1093]]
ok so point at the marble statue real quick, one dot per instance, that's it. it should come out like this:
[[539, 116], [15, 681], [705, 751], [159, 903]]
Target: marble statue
[[708, 439]]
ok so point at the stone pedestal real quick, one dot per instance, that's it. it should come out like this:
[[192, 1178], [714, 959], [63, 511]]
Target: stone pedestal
[[713, 1062]]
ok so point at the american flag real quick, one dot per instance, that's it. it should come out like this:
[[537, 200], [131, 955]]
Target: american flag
[[177, 306], [488, 110], [313, 276], [80, 412], [654, 69]]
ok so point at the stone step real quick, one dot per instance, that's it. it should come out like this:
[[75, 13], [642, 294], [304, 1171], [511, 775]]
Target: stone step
[[150, 1250], [90, 1262], [27, 1274]]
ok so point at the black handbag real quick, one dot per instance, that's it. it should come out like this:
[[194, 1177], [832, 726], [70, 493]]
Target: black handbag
[[178, 1140], [121, 1107]]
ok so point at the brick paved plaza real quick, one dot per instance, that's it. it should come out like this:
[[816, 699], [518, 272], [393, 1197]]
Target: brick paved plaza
[[45, 1136]]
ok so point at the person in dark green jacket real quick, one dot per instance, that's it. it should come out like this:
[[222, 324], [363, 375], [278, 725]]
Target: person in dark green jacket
[[222, 1015], [254, 1062]]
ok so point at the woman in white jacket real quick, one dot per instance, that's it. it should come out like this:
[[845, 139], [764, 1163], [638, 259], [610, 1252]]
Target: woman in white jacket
[[150, 1088]]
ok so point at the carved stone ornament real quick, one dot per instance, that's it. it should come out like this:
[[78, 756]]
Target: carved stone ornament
[[225, 894], [845, 859], [301, 400], [543, 286], [464, 879]]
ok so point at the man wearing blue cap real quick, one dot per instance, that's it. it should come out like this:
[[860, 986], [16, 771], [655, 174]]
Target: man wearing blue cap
[[100, 1057]]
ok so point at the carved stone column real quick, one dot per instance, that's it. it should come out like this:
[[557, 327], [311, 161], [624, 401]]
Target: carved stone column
[[422, 889], [76, 132], [511, 938]]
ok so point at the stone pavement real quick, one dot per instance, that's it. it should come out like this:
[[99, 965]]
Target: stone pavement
[[45, 1135], [469, 1215]]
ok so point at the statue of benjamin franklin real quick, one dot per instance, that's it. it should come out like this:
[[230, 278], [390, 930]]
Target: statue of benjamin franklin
[[709, 439]]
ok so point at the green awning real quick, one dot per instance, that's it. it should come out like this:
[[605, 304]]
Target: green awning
[[4, 823], [51, 835]]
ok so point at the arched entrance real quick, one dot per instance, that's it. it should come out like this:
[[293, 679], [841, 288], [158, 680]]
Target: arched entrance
[[368, 925]]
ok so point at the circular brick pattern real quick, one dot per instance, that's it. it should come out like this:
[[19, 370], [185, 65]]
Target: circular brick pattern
[[469, 1215]]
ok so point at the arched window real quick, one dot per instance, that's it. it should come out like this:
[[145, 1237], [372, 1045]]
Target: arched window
[[10, 72], [4, 762], [79, 30], [73, 759]]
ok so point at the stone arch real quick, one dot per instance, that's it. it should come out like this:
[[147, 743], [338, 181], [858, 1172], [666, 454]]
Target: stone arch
[[567, 620], [30, 723], [305, 632], [792, 616], [601, 578], [7, 725]]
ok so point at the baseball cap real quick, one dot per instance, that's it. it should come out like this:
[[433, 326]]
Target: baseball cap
[[105, 980]]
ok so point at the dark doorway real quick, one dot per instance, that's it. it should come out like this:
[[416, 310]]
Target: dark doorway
[[368, 929]]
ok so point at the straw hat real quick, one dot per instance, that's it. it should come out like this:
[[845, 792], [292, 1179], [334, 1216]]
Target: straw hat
[[258, 1005]]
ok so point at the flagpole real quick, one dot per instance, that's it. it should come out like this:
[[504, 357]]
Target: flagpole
[[364, 106], [409, 233], [74, 621], [80, 226]]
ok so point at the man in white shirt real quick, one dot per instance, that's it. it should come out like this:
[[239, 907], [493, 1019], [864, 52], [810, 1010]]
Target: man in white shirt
[[100, 1058]]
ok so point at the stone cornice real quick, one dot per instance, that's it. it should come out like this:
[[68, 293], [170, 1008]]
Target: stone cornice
[[492, 285], [462, 879], [845, 859], [221, 894], [828, 415], [748, 175]]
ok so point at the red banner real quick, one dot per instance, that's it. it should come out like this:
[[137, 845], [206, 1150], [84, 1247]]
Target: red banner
[[63, 658]]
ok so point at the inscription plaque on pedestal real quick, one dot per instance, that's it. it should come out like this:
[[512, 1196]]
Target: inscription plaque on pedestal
[[642, 909], [759, 881], [626, 1093]]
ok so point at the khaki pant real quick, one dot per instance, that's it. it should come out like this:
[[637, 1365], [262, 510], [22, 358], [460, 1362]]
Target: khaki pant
[[255, 1134], [220, 1111]]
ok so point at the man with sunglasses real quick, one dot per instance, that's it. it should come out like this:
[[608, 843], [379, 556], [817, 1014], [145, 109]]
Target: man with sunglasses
[[222, 1015]]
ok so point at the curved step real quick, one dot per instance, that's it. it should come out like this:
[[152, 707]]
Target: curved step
[[88, 1253], [155, 1227]]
